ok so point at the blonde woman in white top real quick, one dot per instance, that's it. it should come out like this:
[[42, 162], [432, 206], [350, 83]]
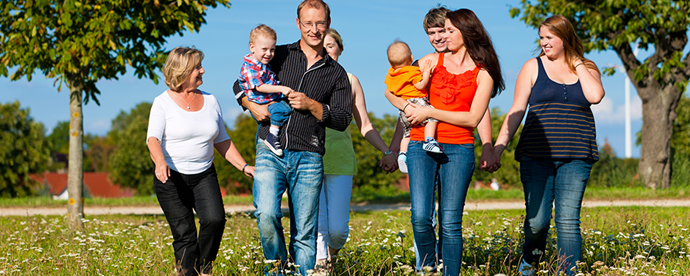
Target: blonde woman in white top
[[185, 125]]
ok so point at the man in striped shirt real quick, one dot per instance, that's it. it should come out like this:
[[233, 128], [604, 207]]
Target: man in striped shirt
[[322, 98]]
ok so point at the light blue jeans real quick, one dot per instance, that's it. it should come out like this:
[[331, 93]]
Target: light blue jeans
[[454, 168], [546, 181], [300, 173]]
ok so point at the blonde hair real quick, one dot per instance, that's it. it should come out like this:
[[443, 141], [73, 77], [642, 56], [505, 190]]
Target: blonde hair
[[399, 54], [316, 4], [264, 30], [180, 63], [563, 29], [336, 36]]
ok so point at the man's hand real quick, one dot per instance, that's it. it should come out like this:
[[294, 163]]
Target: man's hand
[[300, 101], [260, 111]]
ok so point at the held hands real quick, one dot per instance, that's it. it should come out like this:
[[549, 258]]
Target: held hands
[[389, 163], [162, 172], [286, 91]]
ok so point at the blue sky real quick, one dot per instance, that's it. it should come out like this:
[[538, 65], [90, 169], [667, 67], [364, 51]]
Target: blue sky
[[367, 28]]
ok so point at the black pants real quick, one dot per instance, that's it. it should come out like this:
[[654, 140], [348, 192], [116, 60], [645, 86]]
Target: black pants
[[177, 197]]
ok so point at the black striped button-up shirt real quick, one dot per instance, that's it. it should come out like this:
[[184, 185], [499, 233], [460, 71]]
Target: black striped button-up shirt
[[325, 82]]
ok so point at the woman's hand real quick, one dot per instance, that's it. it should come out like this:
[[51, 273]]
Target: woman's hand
[[162, 172], [486, 161], [389, 163], [249, 171], [416, 114]]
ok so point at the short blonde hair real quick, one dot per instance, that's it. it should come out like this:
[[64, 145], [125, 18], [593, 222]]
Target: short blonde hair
[[399, 54], [264, 30], [316, 4], [180, 63]]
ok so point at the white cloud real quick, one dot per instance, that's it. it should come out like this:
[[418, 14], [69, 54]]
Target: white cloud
[[609, 113]]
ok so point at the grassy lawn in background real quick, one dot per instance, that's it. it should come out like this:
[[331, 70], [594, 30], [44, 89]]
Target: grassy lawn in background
[[381, 196], [616, 241]]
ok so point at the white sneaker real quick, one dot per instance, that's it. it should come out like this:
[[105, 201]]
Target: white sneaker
[[525, 268], [402, 162]]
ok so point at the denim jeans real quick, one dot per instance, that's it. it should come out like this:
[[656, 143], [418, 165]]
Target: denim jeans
[[177, 197], [454, 168], [334, 213], [546, 181], [439, 247], [280, 111], [300, 173]]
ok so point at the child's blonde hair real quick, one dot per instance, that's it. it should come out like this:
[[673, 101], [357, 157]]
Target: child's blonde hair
[[262, 29], [399, 54]]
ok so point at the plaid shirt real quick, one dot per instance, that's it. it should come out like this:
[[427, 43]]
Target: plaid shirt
[[252, 75]]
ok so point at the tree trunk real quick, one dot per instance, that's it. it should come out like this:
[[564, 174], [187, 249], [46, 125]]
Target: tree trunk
[[658, 113], [75, 174]]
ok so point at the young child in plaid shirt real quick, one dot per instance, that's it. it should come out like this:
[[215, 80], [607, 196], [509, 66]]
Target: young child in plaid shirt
[[259, 84]]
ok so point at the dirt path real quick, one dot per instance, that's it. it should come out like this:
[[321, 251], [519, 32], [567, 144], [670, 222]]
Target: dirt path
[[469, 206]]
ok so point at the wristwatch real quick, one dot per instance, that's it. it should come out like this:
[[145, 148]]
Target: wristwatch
[[387, 152]]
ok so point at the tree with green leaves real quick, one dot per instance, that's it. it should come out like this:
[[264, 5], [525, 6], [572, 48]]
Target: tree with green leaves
[[80, 42], [129, 163], [243, 135], [660, 79], [24, 150]]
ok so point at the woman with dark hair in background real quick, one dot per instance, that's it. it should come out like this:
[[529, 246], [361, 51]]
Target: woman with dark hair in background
[[463, 81], [558, 142]]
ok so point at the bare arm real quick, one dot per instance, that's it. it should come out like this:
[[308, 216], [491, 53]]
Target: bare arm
[[396, 101], [269, 88], [162, 169], [590, 81], [426, 68], [300, 101], [466, 119], [365, 126], [260, 111], [484, 130], [523, 89], [228, 150]]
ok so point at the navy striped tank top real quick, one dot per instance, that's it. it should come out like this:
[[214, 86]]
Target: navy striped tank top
[[559, 122]]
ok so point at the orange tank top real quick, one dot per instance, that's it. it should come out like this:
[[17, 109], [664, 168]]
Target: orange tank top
[[448, 91]]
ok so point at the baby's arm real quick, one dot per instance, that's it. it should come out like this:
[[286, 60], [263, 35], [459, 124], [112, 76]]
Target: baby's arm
[[269, 88], [426, 67]]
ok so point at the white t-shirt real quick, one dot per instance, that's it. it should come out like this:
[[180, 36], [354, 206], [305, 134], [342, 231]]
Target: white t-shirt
[[187, 138]]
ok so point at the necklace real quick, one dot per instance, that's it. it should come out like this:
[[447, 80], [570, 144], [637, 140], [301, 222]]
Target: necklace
[[190, 101]]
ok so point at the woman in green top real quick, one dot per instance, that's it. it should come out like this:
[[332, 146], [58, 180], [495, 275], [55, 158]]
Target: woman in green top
[[340, 165]]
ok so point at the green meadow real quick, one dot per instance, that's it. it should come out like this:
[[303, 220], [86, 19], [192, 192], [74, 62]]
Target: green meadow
[[616, 241]]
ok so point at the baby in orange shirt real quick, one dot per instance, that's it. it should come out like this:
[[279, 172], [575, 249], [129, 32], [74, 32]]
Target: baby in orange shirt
[[409, 82]]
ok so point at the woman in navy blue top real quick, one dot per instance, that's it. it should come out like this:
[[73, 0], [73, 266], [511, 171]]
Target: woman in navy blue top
[[558, 143]]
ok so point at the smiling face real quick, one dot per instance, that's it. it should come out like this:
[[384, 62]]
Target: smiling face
[[437, 38], [263, 48], [454, 40], [313, 25], [194, 80], [551, 44], [332, 47]]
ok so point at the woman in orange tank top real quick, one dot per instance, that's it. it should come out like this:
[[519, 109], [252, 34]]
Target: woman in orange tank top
[[463, 81]]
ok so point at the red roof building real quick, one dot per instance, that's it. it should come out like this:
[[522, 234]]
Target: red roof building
[[96, 184]]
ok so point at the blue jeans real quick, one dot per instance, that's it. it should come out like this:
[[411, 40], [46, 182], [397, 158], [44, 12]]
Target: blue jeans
[[177, 197], [545, 181], [454, 168], [439, 248], [280, 111], [300, 173]]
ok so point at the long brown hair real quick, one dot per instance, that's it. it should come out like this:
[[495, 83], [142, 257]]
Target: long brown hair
[[479, 45], [563, 29]]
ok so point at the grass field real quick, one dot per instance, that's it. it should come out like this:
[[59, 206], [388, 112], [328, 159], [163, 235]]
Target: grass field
[[617, 241], [392, 195]]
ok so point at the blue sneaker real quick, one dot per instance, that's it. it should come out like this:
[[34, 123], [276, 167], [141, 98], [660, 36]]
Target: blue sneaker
[[273, 143], [432, 146]]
